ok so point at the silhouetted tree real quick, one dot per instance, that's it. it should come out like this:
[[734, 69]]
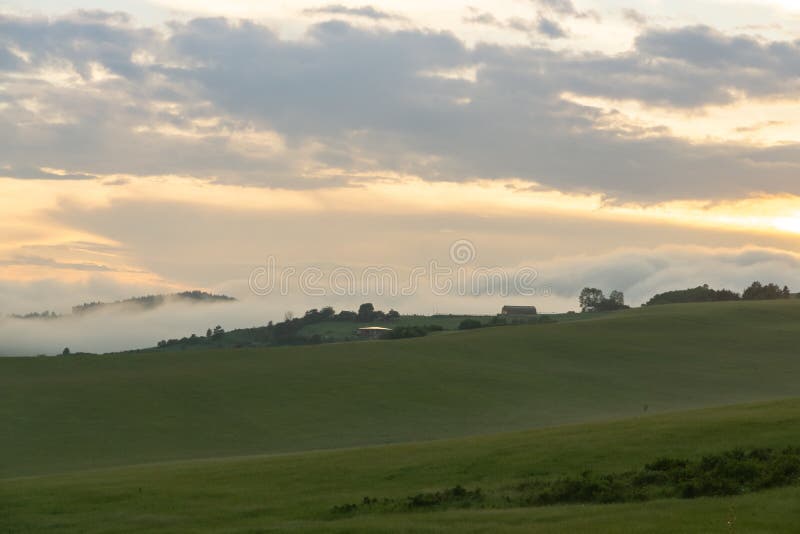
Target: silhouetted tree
[[65, 352], [593, 299], [366, 312], [758, 291], [346, 315], [590, 298]]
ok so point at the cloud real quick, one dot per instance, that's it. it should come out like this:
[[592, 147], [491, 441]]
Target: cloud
[[636, 17], [41, 174], [482, 17], [363, 11], [543, 25], [565, 8], [759, 126], [704, 46], [92, 94], [550, 28], [55, 264]]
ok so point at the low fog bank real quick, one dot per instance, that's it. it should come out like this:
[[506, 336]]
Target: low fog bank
[[639, 273], [127, 328]]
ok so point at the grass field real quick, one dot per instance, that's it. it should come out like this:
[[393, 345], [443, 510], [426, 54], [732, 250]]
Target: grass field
[[75, 415], [67, 413], [295, 492]]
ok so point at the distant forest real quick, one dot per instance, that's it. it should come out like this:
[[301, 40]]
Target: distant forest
[[756, 291], [153, 301], [147, 302]]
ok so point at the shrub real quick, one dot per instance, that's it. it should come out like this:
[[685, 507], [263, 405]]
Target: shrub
[[729, 473], [469, 324]]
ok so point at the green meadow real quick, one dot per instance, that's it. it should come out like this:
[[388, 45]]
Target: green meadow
[[256, 440], [295, 492]]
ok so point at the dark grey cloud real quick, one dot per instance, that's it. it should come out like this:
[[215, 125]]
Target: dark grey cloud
[[542, 25], [363, 11], [81, 38], [482, 17], [550, 28], [370, 100]]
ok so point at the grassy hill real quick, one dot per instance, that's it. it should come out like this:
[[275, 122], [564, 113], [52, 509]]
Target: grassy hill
[[296, 492], [337, 330], [71, 413]]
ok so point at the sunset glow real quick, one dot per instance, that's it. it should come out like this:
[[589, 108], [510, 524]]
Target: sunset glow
[[545, 130]]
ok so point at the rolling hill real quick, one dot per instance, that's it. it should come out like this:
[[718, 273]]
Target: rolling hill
[[72, 413], [296, 492]]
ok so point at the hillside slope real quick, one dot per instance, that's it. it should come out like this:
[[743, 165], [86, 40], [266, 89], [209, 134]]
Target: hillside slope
[[295, 493], [81, 412]]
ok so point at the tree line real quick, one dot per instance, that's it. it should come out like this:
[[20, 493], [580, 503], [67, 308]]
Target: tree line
[[755, 291], [592, 299], [286, 332]]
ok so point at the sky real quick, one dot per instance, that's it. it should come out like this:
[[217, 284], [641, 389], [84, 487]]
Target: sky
[[165, 145]]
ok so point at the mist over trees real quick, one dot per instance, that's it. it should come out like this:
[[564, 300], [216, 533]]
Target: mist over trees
[[152, 301], [37, 315]]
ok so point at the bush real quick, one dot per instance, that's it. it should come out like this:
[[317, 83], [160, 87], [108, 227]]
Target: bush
[[729, 473], [469, 324], [403, 332]]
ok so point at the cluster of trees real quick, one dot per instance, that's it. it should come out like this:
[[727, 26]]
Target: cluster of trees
[[403, 332], [499, 320], [756, 291], [153, 301], [469, 324], [696, 294], [594, 300], [212, 333], [286, 332], [366, 314], [37, 315]]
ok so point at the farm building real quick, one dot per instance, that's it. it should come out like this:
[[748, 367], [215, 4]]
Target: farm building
[[519, 310], [372, 332]]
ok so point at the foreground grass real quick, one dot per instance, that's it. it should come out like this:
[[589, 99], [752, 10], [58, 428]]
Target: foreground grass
[[296, 492], [71, 413]]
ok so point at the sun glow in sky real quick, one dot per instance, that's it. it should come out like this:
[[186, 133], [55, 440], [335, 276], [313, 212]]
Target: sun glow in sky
[[150, 148]]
